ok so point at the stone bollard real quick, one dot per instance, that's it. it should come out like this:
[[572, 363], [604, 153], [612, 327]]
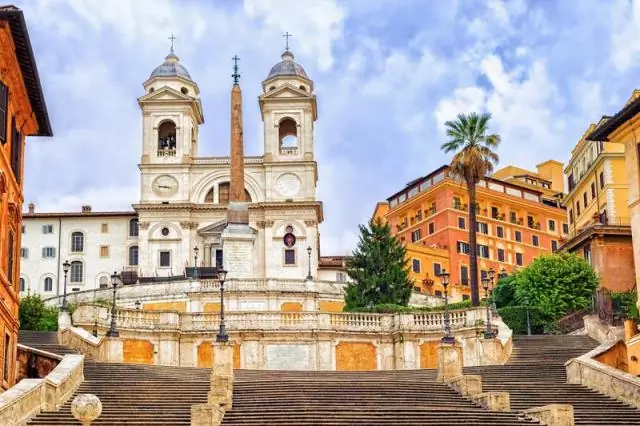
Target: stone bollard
[[86, 408], [449, 361], [553, 414], [219, 399]]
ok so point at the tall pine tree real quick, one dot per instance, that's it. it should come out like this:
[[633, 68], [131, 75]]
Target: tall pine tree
[[378, 269]]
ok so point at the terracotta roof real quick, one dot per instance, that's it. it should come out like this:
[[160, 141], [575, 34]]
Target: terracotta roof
[[28, 68], [332, 261], [78, 214], [602, 132]]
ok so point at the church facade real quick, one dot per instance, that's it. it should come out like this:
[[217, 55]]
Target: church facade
[[256, 216]]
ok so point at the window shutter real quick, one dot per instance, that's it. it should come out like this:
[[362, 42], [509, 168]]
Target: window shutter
[[16, 151], [4, 111]]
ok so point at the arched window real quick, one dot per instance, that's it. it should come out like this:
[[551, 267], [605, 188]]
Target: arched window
[[167, 135], [133, 256], [76, 274], [48, 284], [133, 228], [77, 242], [223, 193], [22, 284], [209, 197], [288, 133], [104, 282]]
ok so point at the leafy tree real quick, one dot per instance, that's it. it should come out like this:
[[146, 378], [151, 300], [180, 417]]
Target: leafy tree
[[505, 292], [556, 284], [474, 159], [34, 315], [378, 269]]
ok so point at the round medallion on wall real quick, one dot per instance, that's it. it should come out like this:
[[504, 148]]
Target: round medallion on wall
[[164, 232], [289, 239], [288, 185]]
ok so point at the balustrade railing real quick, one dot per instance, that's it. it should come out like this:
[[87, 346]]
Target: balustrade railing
[[178, 289], [129, 319]]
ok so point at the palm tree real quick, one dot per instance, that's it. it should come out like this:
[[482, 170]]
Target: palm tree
[[473, 160]]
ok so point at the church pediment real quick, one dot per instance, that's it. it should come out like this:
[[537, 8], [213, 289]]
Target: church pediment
[[213, 229], [165, 94], [287, 91]]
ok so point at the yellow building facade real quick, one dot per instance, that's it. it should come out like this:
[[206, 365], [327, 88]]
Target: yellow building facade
[[598, 189], [623, 131]]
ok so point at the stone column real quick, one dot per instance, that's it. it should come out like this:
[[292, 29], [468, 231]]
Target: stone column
[[449, 361]]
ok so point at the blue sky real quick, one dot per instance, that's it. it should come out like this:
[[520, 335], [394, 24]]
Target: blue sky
[[387, 73]]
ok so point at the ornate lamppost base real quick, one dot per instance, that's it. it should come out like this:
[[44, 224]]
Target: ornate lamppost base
[[489, 335], [112, 334], [222, 338]]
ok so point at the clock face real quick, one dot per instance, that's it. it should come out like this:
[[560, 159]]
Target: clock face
[[165, 185], [288, 185]]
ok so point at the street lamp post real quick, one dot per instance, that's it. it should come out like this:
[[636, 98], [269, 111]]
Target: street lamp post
[[137, 305], [488, 334], [65, 268], [195, 262], [447, 338], [492, 276], [112, 329], [309, 276], [526, 304], [222, 335]]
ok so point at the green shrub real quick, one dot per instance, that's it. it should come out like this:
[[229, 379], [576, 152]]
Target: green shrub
[[34, 315], [627, 304], [516, 319]]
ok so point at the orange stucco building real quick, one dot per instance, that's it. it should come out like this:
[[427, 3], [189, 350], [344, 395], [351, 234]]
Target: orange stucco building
[[22, 113], [516, 223]]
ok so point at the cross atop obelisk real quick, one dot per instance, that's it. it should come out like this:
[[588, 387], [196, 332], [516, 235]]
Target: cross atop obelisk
[[236, 74]]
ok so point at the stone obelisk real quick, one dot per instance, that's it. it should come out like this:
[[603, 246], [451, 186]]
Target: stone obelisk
[[238, 237], [238, 210]]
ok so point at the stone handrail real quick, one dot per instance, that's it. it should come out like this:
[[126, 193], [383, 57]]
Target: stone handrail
[[87, 316], [82, 341], [585, 370], [31, 396], [179, 289]]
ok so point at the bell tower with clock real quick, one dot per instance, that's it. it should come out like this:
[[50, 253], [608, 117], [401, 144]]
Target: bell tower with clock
[[172, 112], [289, 111]]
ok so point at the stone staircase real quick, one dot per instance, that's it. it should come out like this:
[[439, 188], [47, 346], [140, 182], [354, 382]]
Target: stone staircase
[[134, 394], [535, 375], [352, 398], [43, 340]]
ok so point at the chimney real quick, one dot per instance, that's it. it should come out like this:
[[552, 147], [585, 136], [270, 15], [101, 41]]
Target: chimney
[[86, 209], [32, 208]]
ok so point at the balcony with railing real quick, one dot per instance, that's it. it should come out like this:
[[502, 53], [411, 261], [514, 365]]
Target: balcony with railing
[[166, 152], [288, 150]]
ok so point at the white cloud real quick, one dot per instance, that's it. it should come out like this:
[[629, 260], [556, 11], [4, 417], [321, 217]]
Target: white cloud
[[625, 34], [387, 76], [317, 25]]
